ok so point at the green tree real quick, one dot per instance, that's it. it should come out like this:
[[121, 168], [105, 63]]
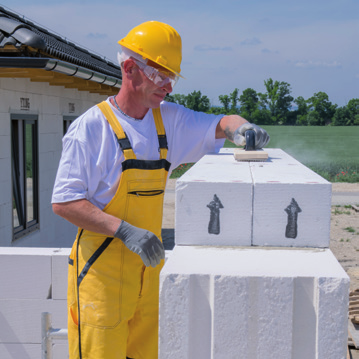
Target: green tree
[[353, 107], [301, 113], [234, 100], [324, 109], [314, 119], [169, 98], [347, 115], [177, 98], [278, 100], [195, 101], [215, 110], [225, 101], [249, 103], [341, 116], [262, 115]]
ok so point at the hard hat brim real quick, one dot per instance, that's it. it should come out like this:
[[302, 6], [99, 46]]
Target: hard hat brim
[[146, 56]]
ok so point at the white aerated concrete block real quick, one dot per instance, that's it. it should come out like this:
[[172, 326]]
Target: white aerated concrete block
[[332, 328], [20, 320], [239, 303], [60, 351], [279, 202], [213, 200], [30, 279], [20, 351], [26, 273], [291, 203], [59, 273]]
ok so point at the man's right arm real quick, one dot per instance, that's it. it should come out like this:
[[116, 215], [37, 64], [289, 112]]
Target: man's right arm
[[83, 214]]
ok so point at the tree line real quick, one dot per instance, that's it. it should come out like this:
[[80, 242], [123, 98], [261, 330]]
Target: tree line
[[275, 107]]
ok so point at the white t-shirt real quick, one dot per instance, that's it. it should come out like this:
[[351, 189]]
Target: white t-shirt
[[90, 165]]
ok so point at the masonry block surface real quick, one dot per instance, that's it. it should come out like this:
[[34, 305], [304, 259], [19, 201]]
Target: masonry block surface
[[21, 318], [213, 200], [260, 302], [30, 278], [20, 351], [291, 203], [32, 281], [279, 202], [59, 273]]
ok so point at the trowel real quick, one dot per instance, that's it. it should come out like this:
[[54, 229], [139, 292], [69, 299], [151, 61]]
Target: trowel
[[249, 153]]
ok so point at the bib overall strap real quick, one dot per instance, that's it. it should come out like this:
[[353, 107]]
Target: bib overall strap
[[122, 138], [162, 139]]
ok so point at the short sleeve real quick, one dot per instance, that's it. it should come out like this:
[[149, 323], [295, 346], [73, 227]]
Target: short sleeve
[[191, 134]]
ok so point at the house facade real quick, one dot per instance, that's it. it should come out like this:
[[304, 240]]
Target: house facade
[[45, 83]]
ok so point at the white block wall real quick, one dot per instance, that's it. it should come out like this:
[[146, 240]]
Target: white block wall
[[50, 104], [32, 281], [275, 184], [239, 303], [254, 197], [231, 182]]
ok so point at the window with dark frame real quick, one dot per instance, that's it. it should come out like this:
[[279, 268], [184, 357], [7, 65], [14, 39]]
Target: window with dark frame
[[67, 122], [24, 156]]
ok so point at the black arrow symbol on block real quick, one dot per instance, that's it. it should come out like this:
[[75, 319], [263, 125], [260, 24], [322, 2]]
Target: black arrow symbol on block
[[292, 210], [215, 205]]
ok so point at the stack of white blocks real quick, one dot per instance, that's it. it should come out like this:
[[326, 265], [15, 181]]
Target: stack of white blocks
[[32, 281], [232, 288]]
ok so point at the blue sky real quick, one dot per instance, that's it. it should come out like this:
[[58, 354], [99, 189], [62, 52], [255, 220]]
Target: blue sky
[[228, 44]]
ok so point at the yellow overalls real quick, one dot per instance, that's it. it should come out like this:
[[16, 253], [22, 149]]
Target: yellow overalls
[[112, 296]]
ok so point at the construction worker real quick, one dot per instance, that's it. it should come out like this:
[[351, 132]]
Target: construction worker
[[110, 183]]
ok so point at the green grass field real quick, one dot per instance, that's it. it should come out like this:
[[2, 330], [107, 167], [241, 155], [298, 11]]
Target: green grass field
[[333, 152], [317, 143]]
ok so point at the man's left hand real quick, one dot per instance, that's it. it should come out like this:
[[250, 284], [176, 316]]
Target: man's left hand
[[262, 137]]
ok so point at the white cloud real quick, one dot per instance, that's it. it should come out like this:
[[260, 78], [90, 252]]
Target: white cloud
[[312, 64], [97, 36], [251, 42], [205, 47], [267, 51]]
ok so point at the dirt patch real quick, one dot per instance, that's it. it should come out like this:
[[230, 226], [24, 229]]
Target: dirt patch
[[344, 241], [344, 234], [345, 187]]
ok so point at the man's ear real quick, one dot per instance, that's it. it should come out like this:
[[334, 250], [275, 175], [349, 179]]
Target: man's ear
[[128, 66]]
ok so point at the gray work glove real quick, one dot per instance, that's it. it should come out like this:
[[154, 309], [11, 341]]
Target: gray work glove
[[142, 242], [262, 137]]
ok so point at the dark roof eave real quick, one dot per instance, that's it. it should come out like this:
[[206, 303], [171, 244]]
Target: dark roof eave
[[61, 67]]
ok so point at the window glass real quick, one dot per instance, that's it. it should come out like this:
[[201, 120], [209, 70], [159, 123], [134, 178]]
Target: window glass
[[29, 171], [24, 175]]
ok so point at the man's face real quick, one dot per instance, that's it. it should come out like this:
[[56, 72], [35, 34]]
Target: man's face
[[151, 94]]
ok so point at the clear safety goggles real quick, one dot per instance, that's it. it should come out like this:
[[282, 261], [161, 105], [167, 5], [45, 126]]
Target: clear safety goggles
[[159, 78]]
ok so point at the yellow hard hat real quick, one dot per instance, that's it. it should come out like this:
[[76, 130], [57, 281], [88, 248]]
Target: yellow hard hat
[[157, 42]]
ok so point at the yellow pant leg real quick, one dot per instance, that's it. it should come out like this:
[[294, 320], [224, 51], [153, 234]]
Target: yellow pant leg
[[108, 291], [72, 323], [143, 327]]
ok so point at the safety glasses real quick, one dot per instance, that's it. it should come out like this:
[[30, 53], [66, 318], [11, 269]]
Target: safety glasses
[[159, 78]]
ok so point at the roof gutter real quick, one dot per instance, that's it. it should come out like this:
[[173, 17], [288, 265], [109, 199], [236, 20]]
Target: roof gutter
[[62, 67]]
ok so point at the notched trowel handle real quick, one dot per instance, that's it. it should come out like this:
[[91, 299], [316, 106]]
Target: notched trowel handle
[[250, 136]]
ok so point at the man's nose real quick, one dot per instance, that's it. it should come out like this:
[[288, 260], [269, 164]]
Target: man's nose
[[168, 87]]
